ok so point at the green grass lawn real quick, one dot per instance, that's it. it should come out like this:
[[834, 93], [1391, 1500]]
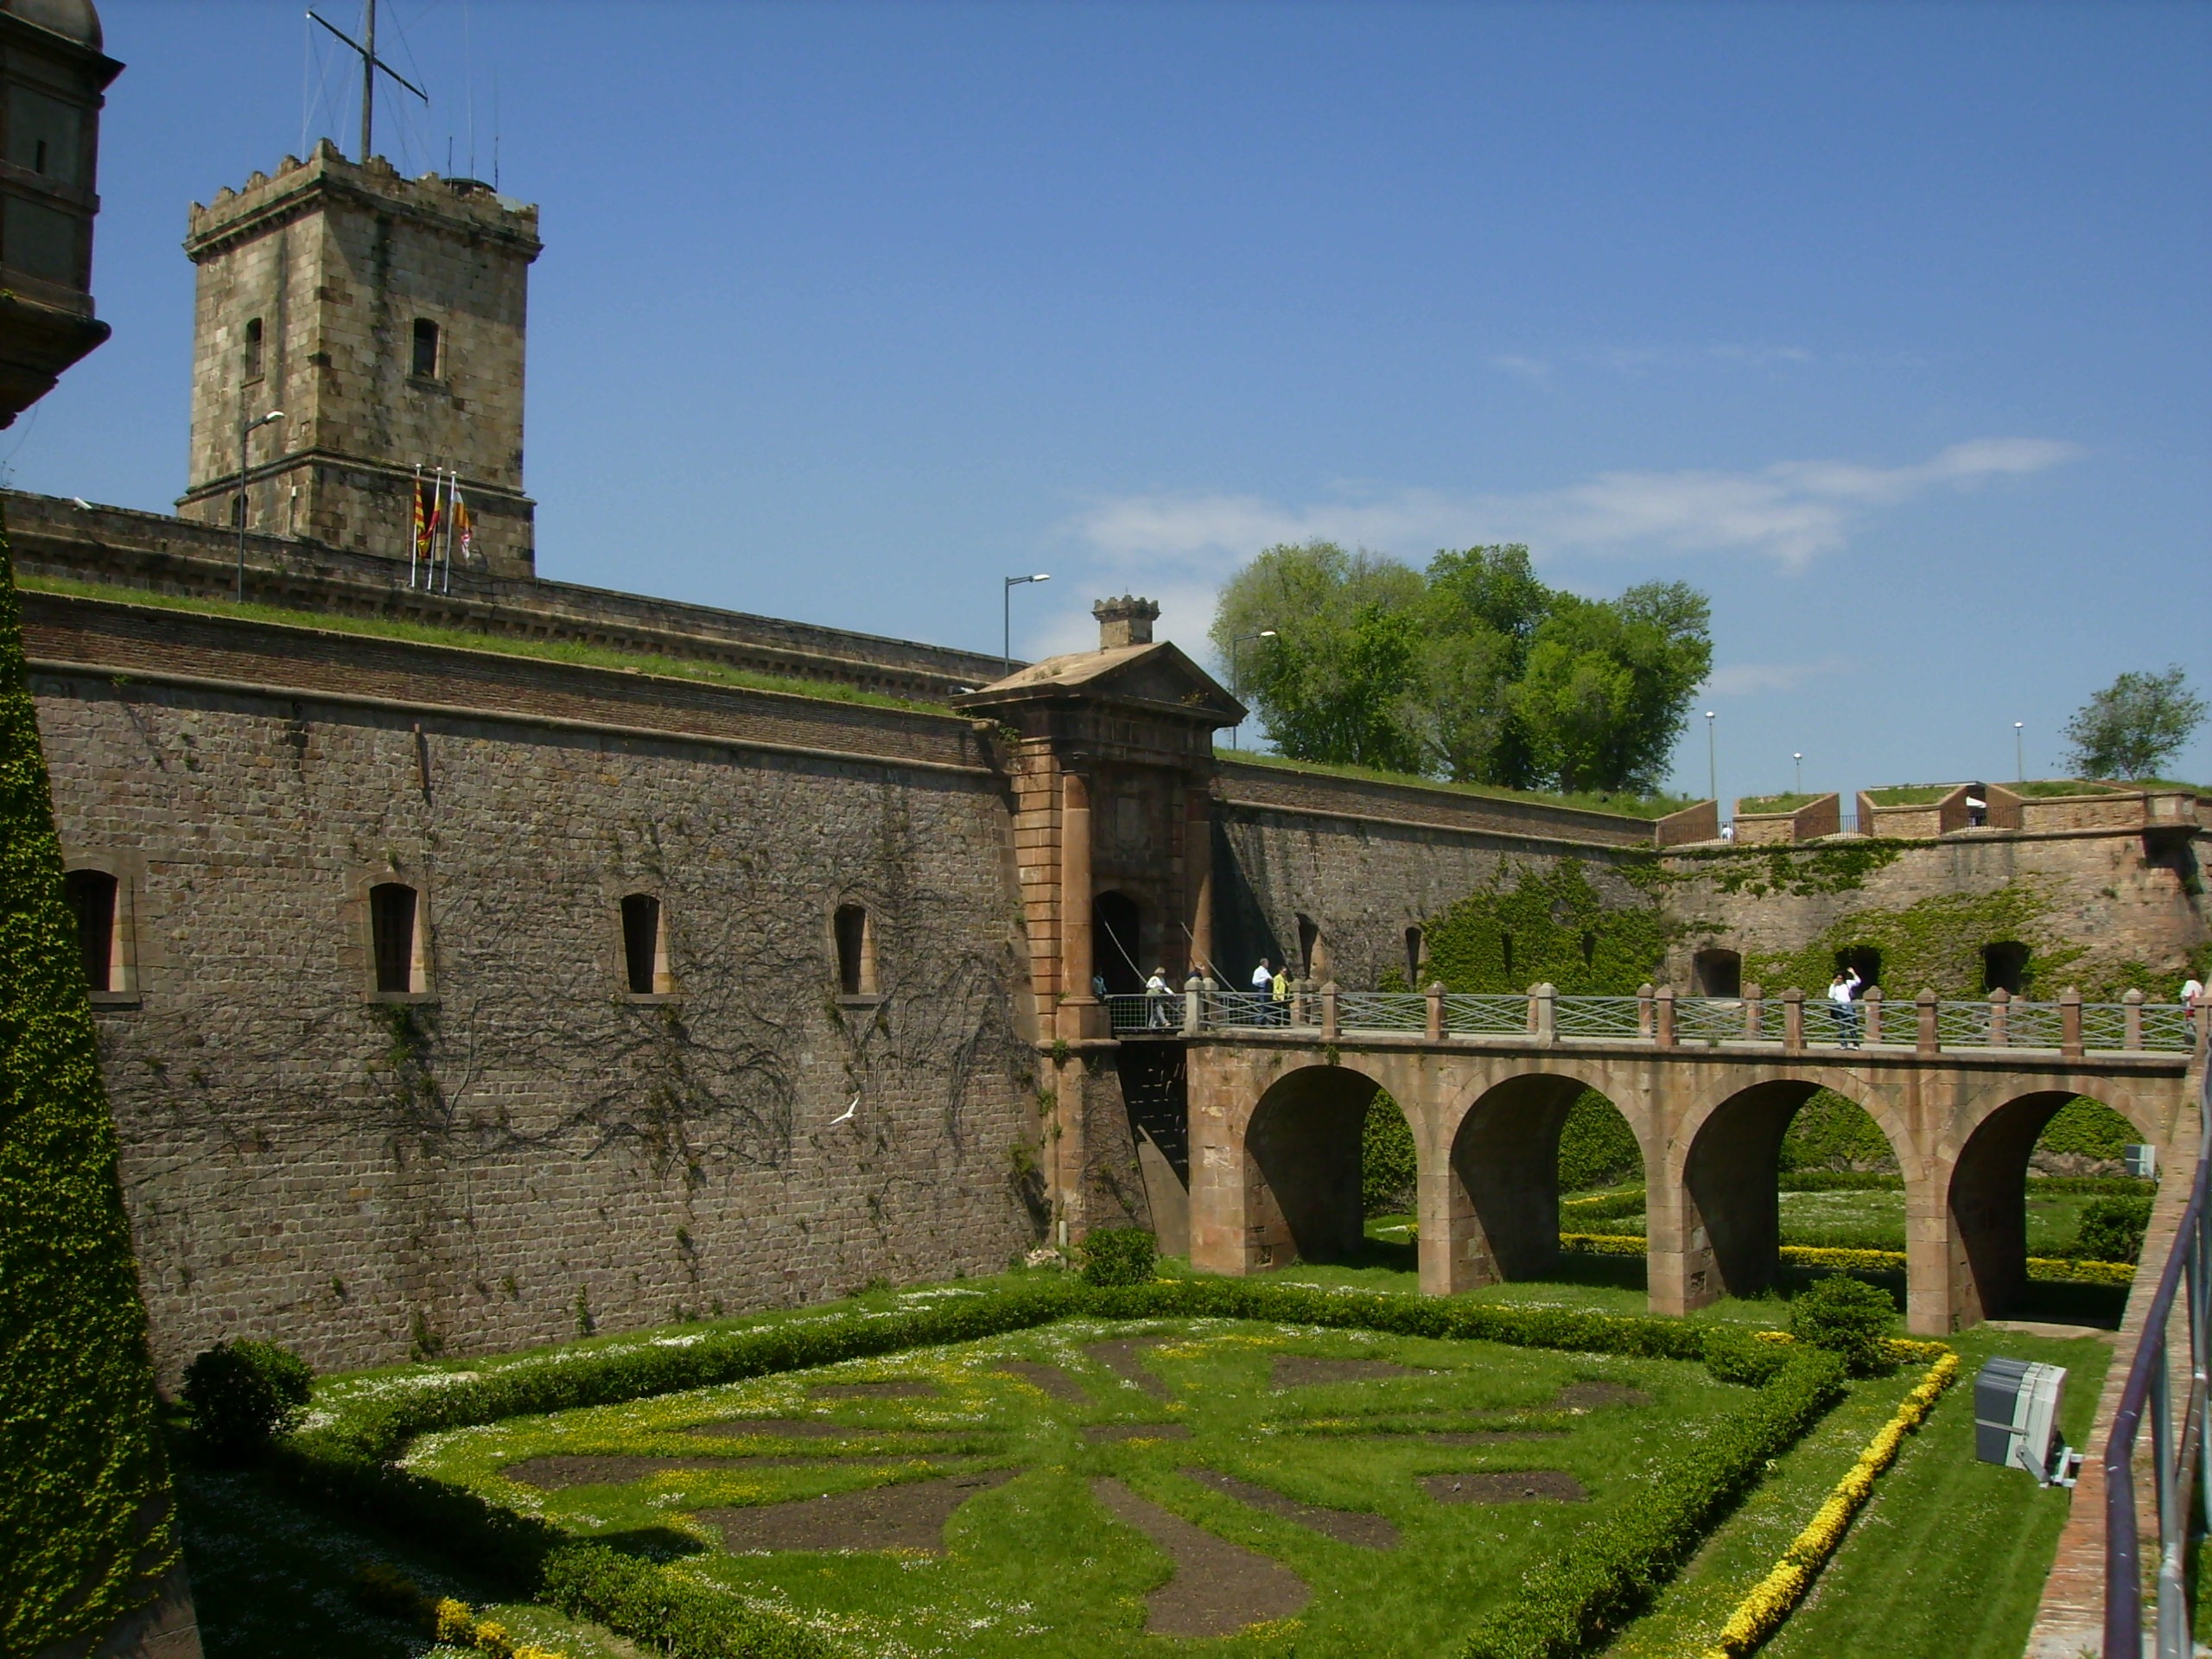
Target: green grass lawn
[[1865, 1220], [1947, 1560], [1036, 1566]]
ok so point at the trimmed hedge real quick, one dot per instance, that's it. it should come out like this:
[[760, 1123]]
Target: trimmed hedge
[[85, 1528], [625, 1594], [1612, 1569], [1118, 1256], [241, 1393]]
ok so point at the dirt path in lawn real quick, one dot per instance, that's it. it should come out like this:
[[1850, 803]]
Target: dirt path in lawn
[[910, 1516], [1345, 1526], [1121, 1356], [1219, 1587], [1300, 1370], [1514, 1486], [1051, 1378]]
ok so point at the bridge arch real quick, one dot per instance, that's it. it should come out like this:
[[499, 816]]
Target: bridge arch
[[1715, 1213], [1491, 1211], [1303, 1149], [1985, 1191]]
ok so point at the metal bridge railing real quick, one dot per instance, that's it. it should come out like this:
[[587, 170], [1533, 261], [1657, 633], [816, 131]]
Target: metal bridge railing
[[2177, 1448], [2128, 1027]]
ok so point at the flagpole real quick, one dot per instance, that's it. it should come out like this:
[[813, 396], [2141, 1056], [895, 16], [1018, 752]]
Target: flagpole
[[415, 525], [452, 479]]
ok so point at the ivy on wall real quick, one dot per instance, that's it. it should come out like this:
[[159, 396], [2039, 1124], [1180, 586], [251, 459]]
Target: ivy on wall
[[1800, 872], [85, 1517], [1546, 925], [1937, 945]]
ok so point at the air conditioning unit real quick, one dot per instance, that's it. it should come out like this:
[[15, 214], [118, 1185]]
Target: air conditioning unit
[[2142, 1161], [2015, 1406]]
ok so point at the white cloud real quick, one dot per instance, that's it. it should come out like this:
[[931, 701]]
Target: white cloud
[[1534, 370], [1792, 512], [1637, 359], [1742, 679]]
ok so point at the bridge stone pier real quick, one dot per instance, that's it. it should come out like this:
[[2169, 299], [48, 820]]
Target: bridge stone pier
[[1276, 1118]]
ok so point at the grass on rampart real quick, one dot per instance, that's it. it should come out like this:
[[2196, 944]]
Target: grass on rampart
[[1623, 805], [551, 650], [1760, 804]]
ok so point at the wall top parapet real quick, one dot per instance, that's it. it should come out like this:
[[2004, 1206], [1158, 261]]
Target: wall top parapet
[[465, 207], [1257, 785]]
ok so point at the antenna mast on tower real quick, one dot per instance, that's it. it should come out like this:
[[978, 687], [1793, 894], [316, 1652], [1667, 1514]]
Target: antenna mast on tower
[[370, 64]]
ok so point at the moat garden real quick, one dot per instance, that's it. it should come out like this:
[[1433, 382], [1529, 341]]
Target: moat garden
[[1315, 1463]]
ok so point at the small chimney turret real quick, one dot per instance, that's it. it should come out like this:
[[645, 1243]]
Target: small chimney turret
[[1125, 621]]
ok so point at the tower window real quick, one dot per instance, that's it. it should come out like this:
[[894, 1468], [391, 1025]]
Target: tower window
[[391, 932], [253, 348], [426, 349], [643, 953], [1310, 960], [90, 898], [855, 952]]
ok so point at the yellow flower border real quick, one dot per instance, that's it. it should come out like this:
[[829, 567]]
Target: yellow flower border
[[1816, 1255], [1772, 1600], [446, 1619]]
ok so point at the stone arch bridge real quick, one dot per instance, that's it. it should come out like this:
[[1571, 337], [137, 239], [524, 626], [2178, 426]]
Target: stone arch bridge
[[1277, 1112]]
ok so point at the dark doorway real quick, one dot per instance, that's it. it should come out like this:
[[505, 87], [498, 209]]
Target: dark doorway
[[1309, 946], [91, 896], [1416, 955], [1719, 973], [2005, 967], [1117, 943]]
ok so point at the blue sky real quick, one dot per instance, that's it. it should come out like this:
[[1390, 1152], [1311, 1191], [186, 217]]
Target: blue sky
[[1886, 325]]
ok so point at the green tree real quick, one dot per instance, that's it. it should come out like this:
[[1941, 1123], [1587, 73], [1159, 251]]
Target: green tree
[[2134, 726], [1334, 683], [1474, 670]]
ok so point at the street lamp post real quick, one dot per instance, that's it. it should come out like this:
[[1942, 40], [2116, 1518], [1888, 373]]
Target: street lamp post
[[1237, 674], [1711, 763], [2019, 753], [245, 429], [1006, 641], [1799, 785]]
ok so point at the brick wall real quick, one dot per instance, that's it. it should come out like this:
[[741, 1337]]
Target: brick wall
[[358, 1176]]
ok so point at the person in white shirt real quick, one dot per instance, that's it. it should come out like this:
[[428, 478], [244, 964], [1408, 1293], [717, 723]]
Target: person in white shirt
[[1156, 995], [1263, 985], [1842, 1009], [2193, 1003]]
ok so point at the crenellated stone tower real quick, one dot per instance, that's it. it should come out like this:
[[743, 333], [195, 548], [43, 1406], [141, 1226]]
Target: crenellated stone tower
[[385, 317]]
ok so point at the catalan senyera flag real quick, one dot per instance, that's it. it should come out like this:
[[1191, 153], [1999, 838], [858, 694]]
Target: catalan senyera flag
[[426, 515]]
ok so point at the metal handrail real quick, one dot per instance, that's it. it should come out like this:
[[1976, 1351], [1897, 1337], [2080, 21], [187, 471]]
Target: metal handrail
[[2179, 1458], [2104, 1027]]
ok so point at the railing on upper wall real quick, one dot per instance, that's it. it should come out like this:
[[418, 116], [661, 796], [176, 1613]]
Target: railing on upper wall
[[2178, 1437], [1791, 1020]]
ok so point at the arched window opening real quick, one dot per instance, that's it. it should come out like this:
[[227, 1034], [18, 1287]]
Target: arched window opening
[[1416, 955], [1589, 949], [253, 348], [2005, 967], [855, 952], [645, 955], [1719, 973], [1310, 957], [91, 895], [425, 365], [1117, 943], [392, 931], [1861, 959]]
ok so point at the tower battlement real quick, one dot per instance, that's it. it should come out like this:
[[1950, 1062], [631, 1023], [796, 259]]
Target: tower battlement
[[387, 318]]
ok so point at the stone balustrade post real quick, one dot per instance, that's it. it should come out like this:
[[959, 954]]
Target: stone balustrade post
[[2131, 1015], [1643, 995], [1929, 1041], [1194, 1005], [1872, 1004], [1436, 1011], [1793, 1020], [2001, 1018], [1754, 1014], [2069, 1023], [1302, 1002], [1663, 1025], [1329, 1012], [1544, 1012]]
